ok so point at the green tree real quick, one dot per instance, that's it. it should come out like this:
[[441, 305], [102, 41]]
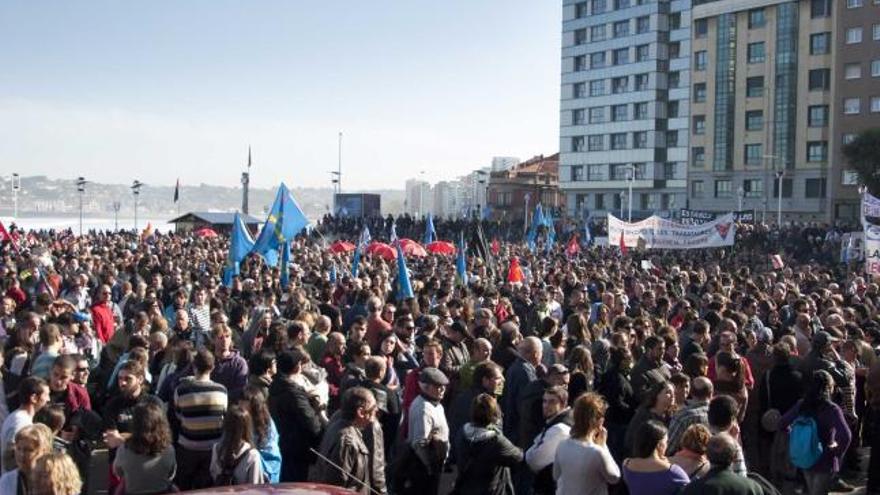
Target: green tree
[[863, 155]]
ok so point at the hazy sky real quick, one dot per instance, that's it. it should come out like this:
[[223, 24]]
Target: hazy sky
[[177, 88]]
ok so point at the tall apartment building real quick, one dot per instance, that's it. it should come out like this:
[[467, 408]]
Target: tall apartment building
[[855, 106], [419, 200], [624, 105], [763, 107]]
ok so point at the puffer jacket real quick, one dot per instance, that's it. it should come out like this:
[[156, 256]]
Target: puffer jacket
[[485, 457]]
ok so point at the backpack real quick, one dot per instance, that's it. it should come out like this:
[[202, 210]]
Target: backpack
[[804, 445], [227, 474]]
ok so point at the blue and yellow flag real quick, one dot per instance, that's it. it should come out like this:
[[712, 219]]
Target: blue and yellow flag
[[240, 244], [404, 287], [286, 219], [430, 233]]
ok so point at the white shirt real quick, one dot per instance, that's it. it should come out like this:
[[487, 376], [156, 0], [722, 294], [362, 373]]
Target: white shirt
[[12, 425], [583, 468], [543, 450]]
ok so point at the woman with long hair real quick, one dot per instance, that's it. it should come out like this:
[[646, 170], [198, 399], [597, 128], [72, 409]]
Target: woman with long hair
[[648, 472], [580, 365], [56, 474], [253, 400], [730, 379], [145, 462], [583, 465], [691, 456], [833, 430], [615, 386], [234, 459], [657, 405], [31, 443]]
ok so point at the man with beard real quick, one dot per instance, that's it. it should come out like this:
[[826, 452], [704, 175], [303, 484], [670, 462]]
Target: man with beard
[[488, 378], [650, 370]]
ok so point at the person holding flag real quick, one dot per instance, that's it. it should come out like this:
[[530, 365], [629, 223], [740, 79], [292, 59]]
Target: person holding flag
[[461, 275], [361, 245], [430, 233]]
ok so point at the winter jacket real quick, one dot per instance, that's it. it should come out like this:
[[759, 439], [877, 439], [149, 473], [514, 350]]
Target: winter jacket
[[485, 459], [353, 450], [299, 425]]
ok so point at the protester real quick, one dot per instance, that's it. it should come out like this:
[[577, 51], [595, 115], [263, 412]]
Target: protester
[[648, 471], [146, 462], [485, 456], [583, 464], [691, 455], [234, 459], [557, 425], [31, 443], [55, 473], [721, 480]]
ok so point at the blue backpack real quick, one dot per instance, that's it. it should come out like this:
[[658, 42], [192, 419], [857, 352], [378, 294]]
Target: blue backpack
[[804, 445]]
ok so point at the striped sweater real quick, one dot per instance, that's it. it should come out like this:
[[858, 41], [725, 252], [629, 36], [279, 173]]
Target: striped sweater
[[200, 406]]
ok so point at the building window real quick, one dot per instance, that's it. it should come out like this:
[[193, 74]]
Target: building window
[[577, 144], [753, 188], [620, 56], [852, 71], [596, 142], [757, 18], [642, 53], [621, 4], [701, 59], [596, 172], [697, 189], [755, 87], [597, 6], [577, 173], [817, 151], [848, 138], [618, 141], [580, 36], [820, 43], [698, 155], [600, 201], [787, 187], [699, 125], [640, 111], [577, 90], [875, 32], [818, 116], [597, 33], [597, 87], [621, 29], [580, 63], [672, 109], [675, 20], [820, 79], [850, 178], [674, 79], [852, 4], [641, 82], [875, 68], [580, 10], [643, 24], [640, 139], [670, 171], [577, 116], [619, 171], [619, 113], [700, 93], [701, 28], [820, 8], [814, 188], [620, 85], [597, 60], [853, 35], [852, 106], [597, 115], [756, 52], [754, 120], [875, 104], [671, 139], [722, 188], [753, 153]]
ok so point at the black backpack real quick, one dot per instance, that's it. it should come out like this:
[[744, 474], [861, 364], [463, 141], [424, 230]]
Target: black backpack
[[227, 474]]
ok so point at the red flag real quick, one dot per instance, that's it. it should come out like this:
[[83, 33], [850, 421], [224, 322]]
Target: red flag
[[622, 244], [777, 261], [496, 247], [4, 235], [515, 274], [573, 247]]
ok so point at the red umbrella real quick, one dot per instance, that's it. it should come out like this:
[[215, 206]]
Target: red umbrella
[[382, 250], [341, 247], [413, 248], [206, 232], [441, 247]]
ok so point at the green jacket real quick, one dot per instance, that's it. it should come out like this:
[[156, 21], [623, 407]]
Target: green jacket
[[722, 482]]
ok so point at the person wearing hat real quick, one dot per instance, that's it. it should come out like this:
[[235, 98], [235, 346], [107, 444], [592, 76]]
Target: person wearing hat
[[427, 437], [455, 355], [823, 356]]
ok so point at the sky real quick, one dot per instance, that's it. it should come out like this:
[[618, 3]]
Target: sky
[[171, 89]]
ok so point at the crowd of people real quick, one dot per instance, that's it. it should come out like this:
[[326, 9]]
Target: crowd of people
[[706, 371]]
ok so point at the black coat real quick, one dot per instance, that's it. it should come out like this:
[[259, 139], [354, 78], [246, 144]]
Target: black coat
[[299, 425], [485, 457]]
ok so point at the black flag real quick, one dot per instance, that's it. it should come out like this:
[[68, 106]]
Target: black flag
[[177, 191]]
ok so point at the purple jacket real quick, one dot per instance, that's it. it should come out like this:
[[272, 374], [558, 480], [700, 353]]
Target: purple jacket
[[231, 372], [832, 428]]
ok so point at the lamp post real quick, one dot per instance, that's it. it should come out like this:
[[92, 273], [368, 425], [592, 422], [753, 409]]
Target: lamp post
[[116, 206], [779, 175], [622, 195], [136, 191], [767, 160], [740, 193], [16, 186], [632, 178], [81, 188]]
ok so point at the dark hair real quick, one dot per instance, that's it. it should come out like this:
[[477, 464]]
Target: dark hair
[[695, 363], [290, 360], [722, 411], [353, 399], [733, 365], [652, 341], [648, 436], [261, 362], [259, 410], [484, 410], [650, 398], [52, 415], [150, 432], [484, 370], [721, 450], [374, 367], [558, 391], [203, 362], [237, 429], [818, 392], [65, 361], [32, 385]]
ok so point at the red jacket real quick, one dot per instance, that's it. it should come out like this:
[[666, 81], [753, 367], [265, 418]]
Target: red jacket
[[103, 322], [77, 398]]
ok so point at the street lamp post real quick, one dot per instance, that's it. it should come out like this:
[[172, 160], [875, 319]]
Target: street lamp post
[[740, 193], [136, 191], [16, 186], [81, 188], [116, 206], [779, 175], [632, 178], [622, 195]]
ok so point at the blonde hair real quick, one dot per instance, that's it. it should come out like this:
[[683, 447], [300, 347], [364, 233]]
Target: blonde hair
[[39, 434], [55, 474]]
